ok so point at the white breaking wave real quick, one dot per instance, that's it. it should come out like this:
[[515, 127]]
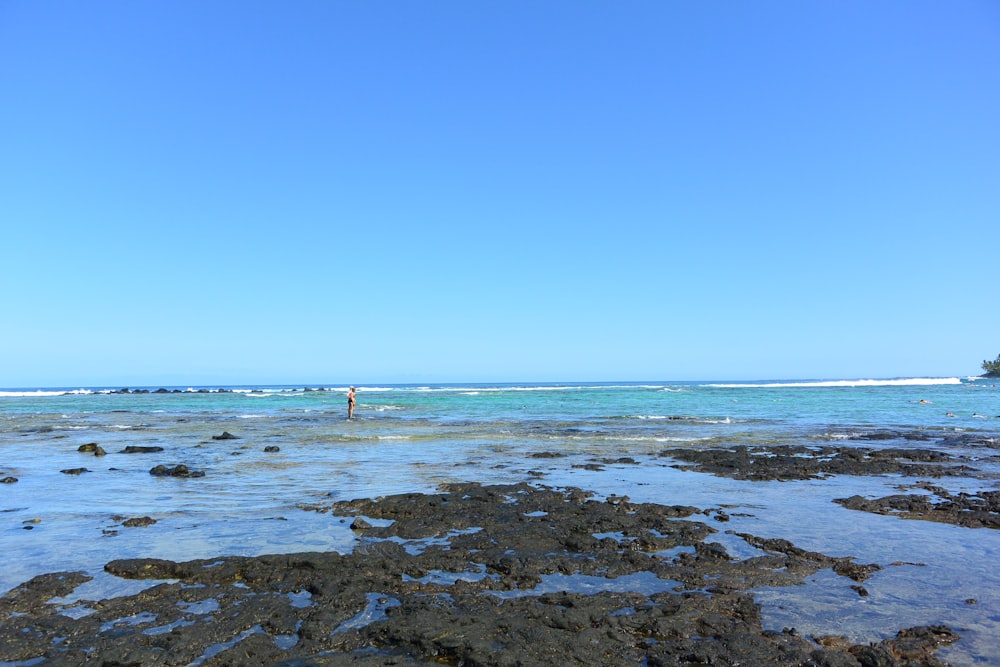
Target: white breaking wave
[[903, 382]]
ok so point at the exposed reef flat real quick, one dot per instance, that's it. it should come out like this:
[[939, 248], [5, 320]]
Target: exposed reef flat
[[472, 575], [796, 462]]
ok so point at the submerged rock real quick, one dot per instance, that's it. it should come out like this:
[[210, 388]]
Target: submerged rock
[[226, 435]]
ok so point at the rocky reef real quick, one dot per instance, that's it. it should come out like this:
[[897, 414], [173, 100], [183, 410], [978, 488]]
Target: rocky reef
[[472, 575]]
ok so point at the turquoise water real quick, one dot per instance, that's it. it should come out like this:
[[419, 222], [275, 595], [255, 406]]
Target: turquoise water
[[412, 438]]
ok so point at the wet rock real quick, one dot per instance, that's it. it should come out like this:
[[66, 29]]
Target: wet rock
[[146, 568], [8, 480], [179, 470], [917, 645], [622, 460], [225, 435], [140, 449], [852, 570], [971, 510], [91, 448], [796, 462], [32, 595], [74, 471], [272, 448], [447, 578], [139, 522], [360, 524]]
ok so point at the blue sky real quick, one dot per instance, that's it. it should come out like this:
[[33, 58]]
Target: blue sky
[[323, 192]]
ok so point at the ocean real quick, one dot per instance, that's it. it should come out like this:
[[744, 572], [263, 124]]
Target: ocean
[[293, 450]]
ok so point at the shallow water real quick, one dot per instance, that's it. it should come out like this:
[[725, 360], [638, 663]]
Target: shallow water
[[408, 439]]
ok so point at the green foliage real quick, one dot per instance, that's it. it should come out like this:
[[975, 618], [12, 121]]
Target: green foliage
[[992, 367]]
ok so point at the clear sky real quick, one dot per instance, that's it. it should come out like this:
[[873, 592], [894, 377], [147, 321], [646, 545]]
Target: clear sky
[[332, 192]]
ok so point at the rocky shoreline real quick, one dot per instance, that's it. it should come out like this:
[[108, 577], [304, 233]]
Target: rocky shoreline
[[472, 575]]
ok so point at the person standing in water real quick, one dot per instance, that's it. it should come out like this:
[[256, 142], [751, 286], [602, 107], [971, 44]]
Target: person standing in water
[[350, 403]]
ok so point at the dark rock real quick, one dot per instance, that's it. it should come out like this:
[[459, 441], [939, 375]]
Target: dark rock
[[797, 462], [360, 524], [33, 594], [179, 470], [139, 522], [146, 568], [226, 435], [272, 448], [141, 449], [74, 471], [851, 570], [976, 510], [621, 460], [484, 541], [8, 480]]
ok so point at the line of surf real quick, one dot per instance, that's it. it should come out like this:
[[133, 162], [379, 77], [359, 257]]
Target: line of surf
[[473, 389], [901, 382]]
